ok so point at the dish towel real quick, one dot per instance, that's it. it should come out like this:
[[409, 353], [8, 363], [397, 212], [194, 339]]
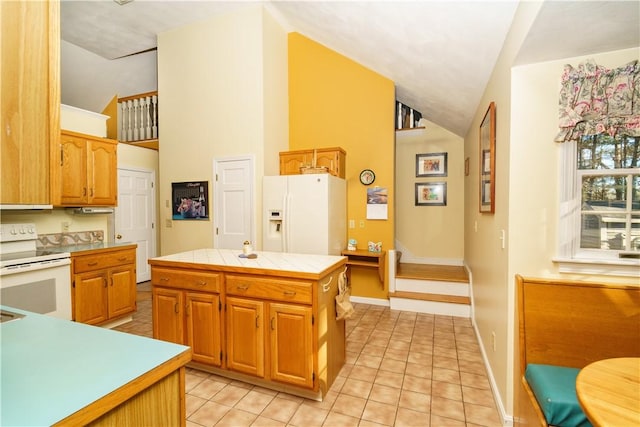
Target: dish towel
[[344, 308]]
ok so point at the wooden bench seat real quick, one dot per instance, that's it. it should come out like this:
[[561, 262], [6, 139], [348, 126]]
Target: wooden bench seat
[[570, 324]]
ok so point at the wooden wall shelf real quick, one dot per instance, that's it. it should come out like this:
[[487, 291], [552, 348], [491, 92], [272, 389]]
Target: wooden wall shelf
[[366, 259]]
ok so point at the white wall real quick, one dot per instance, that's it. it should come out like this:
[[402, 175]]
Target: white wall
[[429, 234], [90, 81], [213, 77]]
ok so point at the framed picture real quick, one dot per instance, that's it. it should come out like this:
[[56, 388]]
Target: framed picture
[[432, 164], [487, 142], [431, 193], [190, 200]]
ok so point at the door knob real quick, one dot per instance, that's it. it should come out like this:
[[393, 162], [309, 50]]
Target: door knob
[[118, 236]]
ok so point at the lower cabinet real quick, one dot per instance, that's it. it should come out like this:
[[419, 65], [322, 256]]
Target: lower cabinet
[[268, 335], [188, 317], [289, 336], [273, 331], [104, 285]]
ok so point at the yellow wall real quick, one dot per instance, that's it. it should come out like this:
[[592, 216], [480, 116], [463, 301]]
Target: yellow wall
[[336, 102], [429, 234], [223, 84], [527, 159], [483, 253]]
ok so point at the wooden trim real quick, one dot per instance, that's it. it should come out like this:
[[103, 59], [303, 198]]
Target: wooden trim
[[138, 96], [216, 268], [117, 397], [152, 144], [87, 136], [452, 299], [534, 402]]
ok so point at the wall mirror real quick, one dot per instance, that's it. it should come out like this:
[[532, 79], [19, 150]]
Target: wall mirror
[[488, 160]]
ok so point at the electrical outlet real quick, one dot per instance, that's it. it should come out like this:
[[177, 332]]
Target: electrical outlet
[[493, 340], [362, 223], [169, 223], [65, 226]]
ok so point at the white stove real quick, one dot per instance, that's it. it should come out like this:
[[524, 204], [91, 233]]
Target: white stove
[[33, 279]]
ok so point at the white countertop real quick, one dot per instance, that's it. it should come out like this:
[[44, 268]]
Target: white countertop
[[274, 261]]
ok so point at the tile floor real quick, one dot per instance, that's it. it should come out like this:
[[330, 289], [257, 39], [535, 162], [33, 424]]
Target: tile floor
[[402, 369]]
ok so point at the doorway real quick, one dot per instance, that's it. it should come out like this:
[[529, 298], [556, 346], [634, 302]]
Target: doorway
[[234, 212], [134, 216]]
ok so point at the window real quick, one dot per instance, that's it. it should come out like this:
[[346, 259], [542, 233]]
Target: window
[[600, 205]]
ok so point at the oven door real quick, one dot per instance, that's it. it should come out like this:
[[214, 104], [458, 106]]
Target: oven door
[[40, 288]]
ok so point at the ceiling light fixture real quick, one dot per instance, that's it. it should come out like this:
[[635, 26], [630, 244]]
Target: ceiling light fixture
[[122, 2]]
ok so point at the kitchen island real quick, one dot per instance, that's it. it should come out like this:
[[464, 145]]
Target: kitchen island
[[58, 372], [268, 320]]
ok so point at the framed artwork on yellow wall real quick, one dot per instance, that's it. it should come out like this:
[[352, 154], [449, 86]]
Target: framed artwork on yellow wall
[[431, 164], [431, 194]]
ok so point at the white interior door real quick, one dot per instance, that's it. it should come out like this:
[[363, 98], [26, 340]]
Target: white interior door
[[134, 216], [234, 217]]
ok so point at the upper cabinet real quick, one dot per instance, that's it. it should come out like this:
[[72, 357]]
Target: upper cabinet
[[86, 171], [30, 121], [321, 160]]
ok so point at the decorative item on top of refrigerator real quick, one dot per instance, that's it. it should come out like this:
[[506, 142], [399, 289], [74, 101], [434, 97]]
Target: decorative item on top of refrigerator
[[305, 214]]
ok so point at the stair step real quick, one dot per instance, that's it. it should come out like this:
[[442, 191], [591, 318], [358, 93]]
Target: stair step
[[423, 296], [435, 272], [432, 287]]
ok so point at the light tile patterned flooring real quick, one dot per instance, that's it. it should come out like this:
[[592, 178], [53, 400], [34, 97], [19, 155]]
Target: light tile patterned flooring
[[402, 369]]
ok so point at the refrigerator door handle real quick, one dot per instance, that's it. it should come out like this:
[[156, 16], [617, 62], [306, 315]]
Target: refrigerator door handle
[[285, 221]]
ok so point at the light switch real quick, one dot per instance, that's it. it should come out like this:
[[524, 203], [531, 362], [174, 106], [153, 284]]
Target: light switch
[[352, 223]]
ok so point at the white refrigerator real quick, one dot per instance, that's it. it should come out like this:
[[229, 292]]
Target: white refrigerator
[[304, 214]]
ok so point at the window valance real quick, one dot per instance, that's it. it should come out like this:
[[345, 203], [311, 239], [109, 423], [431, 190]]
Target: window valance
[[595, 100]]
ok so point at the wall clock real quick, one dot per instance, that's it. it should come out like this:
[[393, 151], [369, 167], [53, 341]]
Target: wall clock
[[367, 177]]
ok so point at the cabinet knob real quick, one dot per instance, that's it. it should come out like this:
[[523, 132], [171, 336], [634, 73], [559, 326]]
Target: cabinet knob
[[118, 236]]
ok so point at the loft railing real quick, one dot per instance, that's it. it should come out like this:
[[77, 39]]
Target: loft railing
[[138, 117]]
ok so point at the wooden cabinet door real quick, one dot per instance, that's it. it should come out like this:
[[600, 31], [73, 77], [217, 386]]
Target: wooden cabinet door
[[203, 327], [74, 189], [122, 291], [30, 102], [102, 173], [245, 336], [291, 344], [168, 315], [90, 297], [290, 163]]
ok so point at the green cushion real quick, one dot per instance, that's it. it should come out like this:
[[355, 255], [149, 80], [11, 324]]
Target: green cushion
[[555, 390]]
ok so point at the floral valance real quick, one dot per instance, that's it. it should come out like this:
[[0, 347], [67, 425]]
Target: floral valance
[[595, 100]]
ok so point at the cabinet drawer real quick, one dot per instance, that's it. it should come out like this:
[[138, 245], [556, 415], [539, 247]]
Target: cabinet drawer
[[274, 289], [84, 263], [193, 280]]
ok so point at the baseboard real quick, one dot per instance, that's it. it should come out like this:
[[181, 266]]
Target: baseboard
[[371, 301], [507, 420]]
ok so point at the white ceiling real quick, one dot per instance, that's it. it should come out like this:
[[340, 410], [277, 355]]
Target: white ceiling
[[439, 53]]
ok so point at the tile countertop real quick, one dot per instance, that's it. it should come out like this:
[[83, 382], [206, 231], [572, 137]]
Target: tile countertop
[[51, 368], [275, 262], [89, 246]]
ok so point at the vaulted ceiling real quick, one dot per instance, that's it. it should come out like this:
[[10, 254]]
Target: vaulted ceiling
[[440, 54]]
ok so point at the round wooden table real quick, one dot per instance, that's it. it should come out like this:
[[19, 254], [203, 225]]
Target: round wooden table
[[609, 391]]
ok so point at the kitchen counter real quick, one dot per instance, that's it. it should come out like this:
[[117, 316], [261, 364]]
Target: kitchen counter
[[279, 327], [55, 370], [302, 266], [91, 247]]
